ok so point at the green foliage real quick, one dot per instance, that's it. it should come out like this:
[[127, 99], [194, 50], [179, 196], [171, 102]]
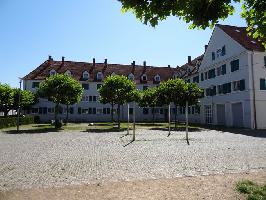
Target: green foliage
[[6, 98], [61, 89], [148, 98], [200, 13], [12, 121], [254, 191], [191, 93], [117, 90], [171, 91]]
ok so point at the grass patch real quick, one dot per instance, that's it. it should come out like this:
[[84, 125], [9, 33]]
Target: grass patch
[[252, 190]]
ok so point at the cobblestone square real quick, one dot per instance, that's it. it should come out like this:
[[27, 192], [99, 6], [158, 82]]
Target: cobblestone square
[[63, 158]]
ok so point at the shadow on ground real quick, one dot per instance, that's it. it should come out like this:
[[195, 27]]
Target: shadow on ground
[[105, 130], [191, 129], [32, 131]]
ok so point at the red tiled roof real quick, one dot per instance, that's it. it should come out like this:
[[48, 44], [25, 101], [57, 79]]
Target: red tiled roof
[[240, 35], [194, 65], [77, 69]]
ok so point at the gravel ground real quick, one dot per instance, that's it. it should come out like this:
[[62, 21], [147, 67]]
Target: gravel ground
[[63, 158]]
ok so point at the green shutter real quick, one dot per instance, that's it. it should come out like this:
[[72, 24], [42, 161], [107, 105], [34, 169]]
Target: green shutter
[[223, 69], [262, 84], [242, 85]]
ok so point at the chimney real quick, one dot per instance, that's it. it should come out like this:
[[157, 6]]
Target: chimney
[[93, 61], [169, 66], [177, 66], [133, 67], [144, 64], [189, 59], [50, 59], [205, 47], [105, 62], [63, 60]]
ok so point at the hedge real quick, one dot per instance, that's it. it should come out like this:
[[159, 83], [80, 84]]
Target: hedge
[[12, 121]]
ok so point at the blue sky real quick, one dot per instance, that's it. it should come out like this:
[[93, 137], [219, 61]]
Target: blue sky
[[82, 30]]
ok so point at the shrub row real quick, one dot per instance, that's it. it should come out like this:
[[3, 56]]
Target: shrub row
[[12, 121]]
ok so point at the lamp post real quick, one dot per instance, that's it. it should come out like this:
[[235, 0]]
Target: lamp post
[[18, 111]]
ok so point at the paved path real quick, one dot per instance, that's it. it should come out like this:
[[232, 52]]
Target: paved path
[[62, 158]]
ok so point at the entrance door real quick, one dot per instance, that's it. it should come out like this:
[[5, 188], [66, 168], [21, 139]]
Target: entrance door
[[237, 111], [208, 114], [220, 114]]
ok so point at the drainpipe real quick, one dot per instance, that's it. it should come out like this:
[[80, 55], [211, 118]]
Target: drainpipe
[[253, 87]]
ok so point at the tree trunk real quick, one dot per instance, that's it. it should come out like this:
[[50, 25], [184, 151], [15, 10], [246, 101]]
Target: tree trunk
[[56, 121], [6, 112], [175, 117], [187, 122], [112, 113], [169, 120], [118, 116], [67, 114], [128, 119], [134, 122], [153, 115]]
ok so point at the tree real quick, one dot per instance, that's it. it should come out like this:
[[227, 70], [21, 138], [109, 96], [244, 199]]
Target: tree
[[27, 99], [117, 90], [200, 13], [171, 91], [60, 89], [190, 96], [6, 98], [149, 98]]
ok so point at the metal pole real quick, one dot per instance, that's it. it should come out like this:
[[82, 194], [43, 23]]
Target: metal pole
[[134, 122], [128, 119], [18, 111], [187, 122], [169, 120]]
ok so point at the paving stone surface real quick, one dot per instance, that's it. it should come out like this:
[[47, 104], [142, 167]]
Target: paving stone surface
[[63, 158]]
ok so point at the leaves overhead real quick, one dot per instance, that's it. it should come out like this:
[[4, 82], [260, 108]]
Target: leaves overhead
[[200, 13]]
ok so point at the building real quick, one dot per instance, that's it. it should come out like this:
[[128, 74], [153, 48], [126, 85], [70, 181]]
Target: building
[[91, 76], [231, 71]]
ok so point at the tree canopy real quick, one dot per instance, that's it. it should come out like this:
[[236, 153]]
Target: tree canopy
[[117, 90], [200, 13], [9, 98], [60, 89]]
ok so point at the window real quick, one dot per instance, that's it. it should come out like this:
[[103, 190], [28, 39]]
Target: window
[[161, 111], [262, 84], [85, 86], [219, 53], [188, 80], [92, 111], [211, 91], [219, 71], [131, 77], [85, 75], [206, 75], [239, 85], [144, 77], [50, 110], [52, 72], [202, 77], [145, 87], [100, 76], [211, 74], [106, 111], [71, 110], [85, 111], [224, 69], [226, 88], [264, 61], [94, 99], [131, 111], [157, 78], [145, 111], [99, 86], [223, 51], [90, 98], [34, 110], [213, 56], [79, 110], [196, 79], [35, 84], [234, 65], [68, 73], [99, 111]]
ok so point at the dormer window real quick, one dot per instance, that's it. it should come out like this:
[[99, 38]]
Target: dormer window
[[85, 75], [157, 78], [188, 70], [144, 77], [52, 72], [68, 73], [99, 76], [131, 77]]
